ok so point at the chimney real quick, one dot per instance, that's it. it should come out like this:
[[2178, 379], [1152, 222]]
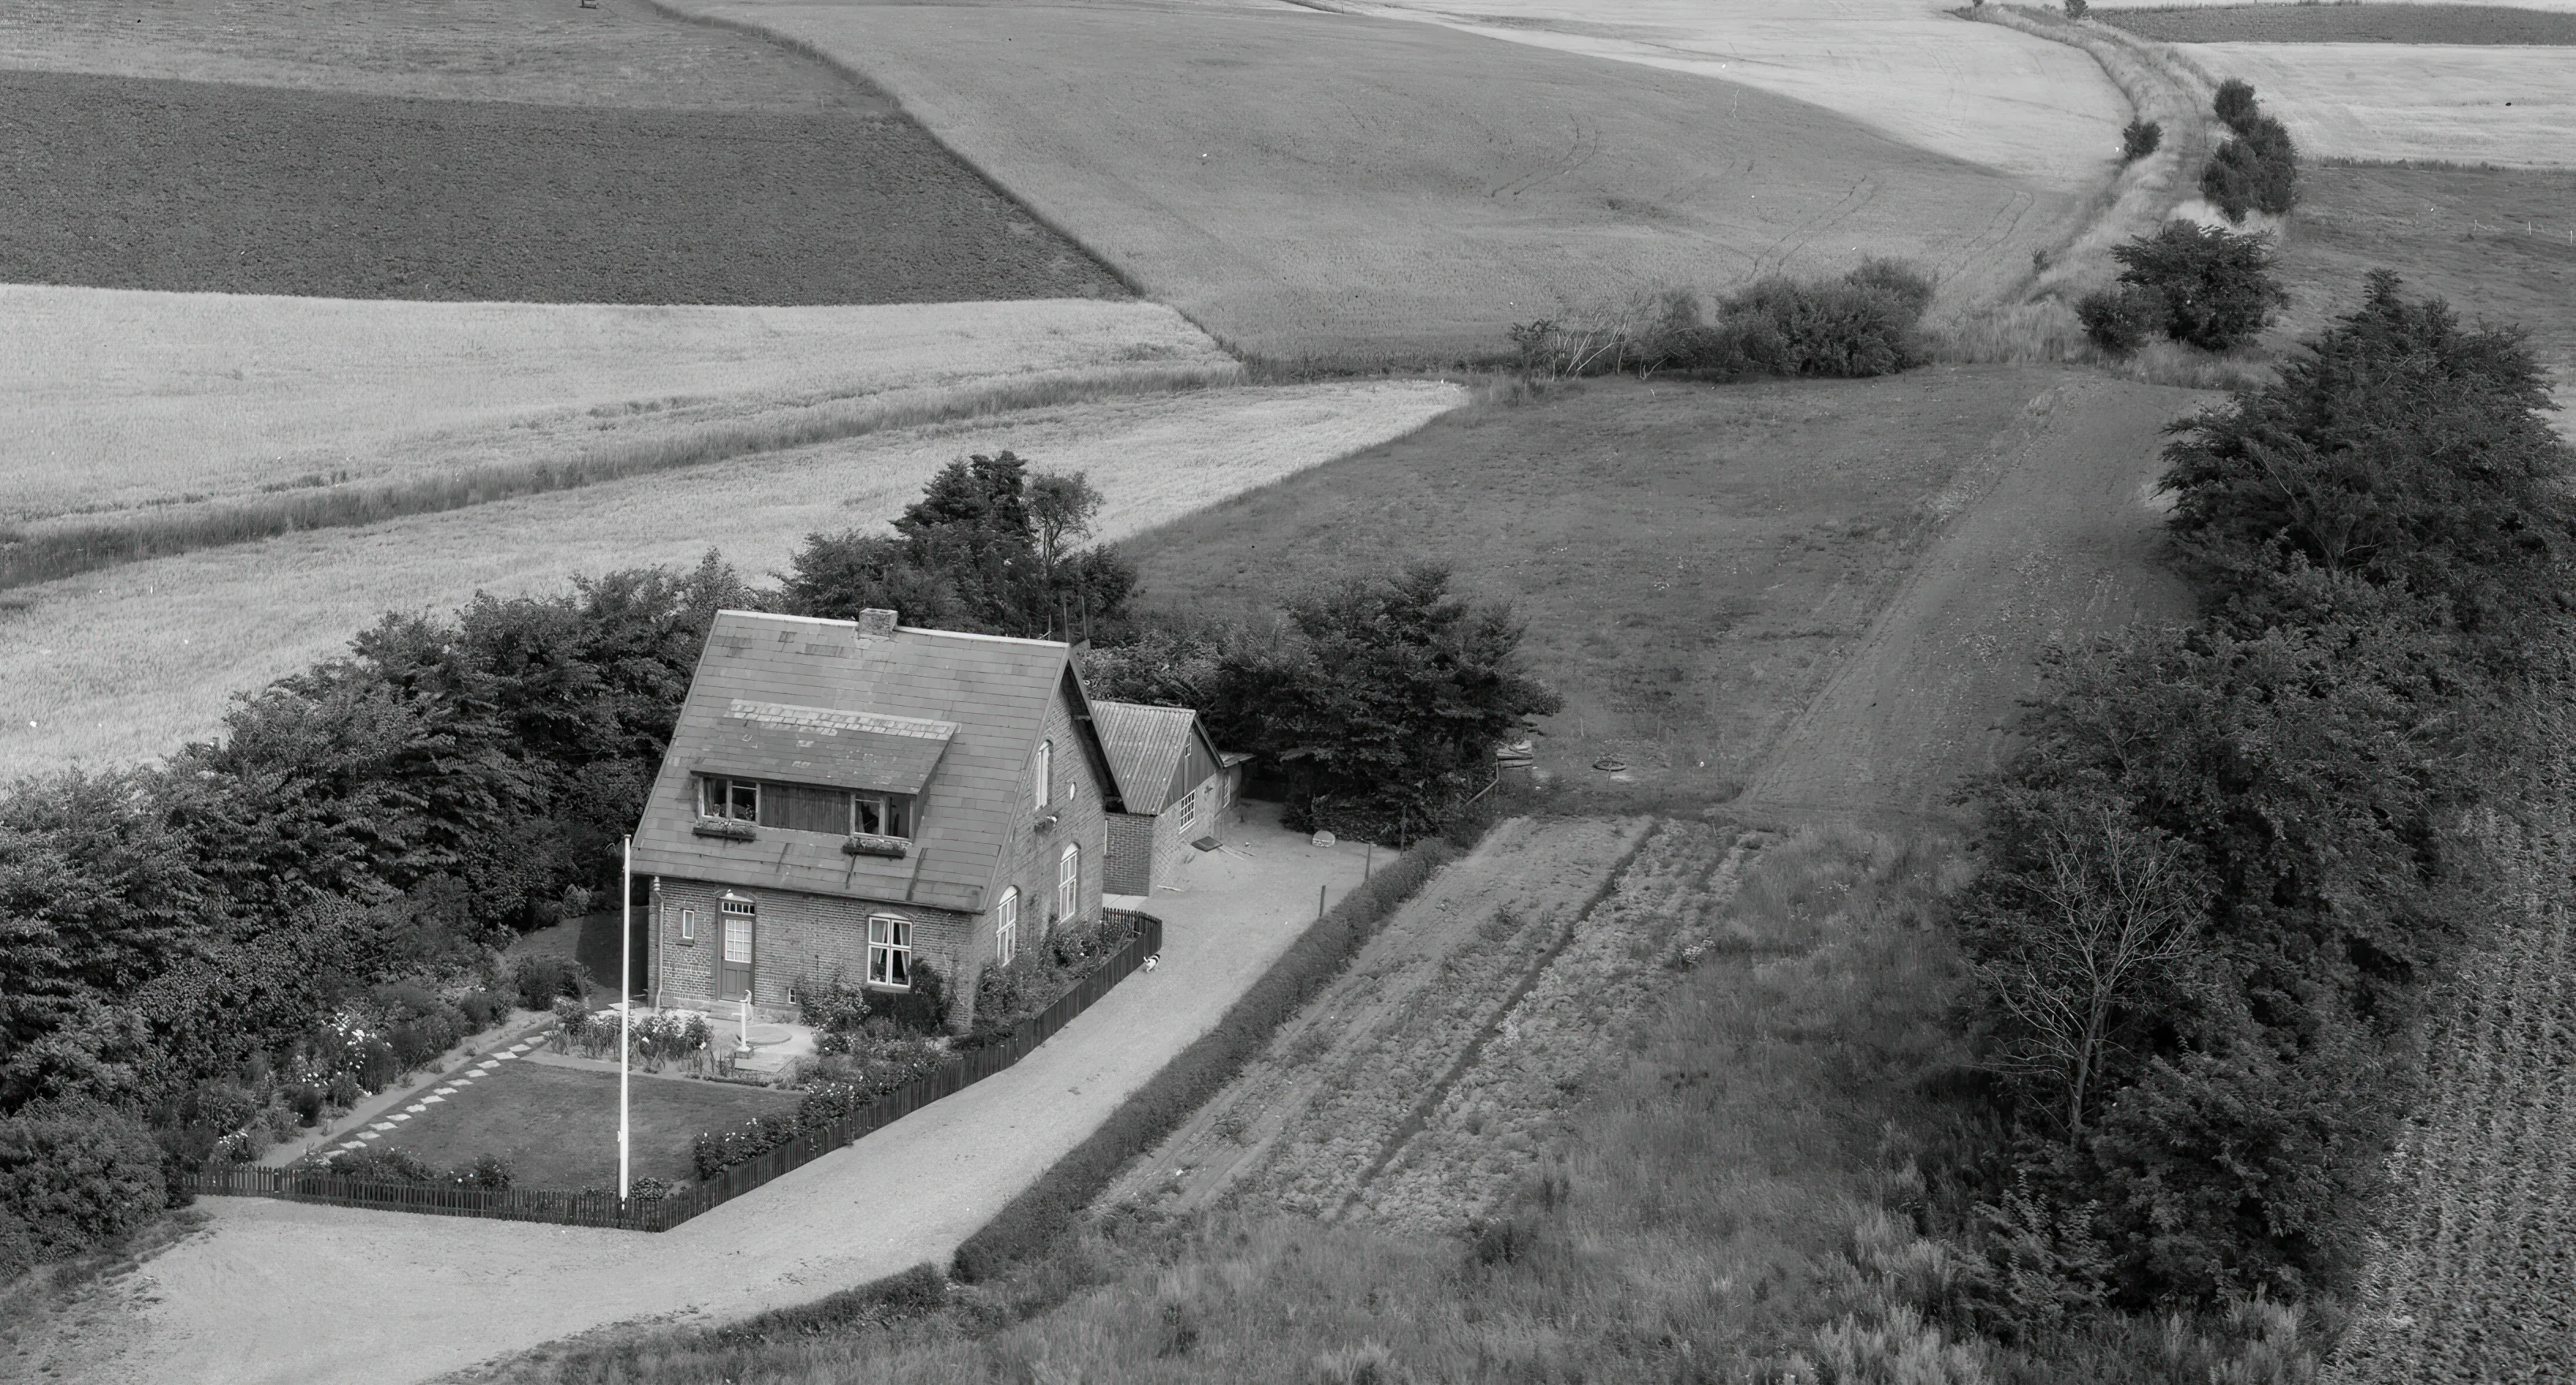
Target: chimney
[[875, 624]]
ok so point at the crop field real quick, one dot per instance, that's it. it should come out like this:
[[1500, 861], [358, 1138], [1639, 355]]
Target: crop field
[[620, 53], [114, 400], [2150, 6], [2368, 23], [2010, 100], [2473, 104], [2469, 1280], [1233, 162], [140, 183], [150, 652], [2497, 243]]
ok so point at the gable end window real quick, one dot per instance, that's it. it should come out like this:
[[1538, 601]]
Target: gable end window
[[1006, 927], [890, 952], [1045, 774]]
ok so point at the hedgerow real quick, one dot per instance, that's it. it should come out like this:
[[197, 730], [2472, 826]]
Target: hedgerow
[[1029, 1225]]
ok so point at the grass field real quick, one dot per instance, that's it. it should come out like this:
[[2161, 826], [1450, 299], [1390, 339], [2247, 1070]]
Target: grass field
[[2512, 106], [127, 663], [145, 184], [2497, 243], [1235, 163], [2010, 100], [1690, 562], [2367, 23], [558, 1126], [620, 53], [116, 401]]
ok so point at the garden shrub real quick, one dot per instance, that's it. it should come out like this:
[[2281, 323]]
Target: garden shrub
[[2120, 320], [1040, 975], [1031, 1223], [718, 1150], [490, 1172], [835, 1009], [2139, 138], [483, 1009], [540, 980], [921, 1010], [72, 1179], [374, 1165]]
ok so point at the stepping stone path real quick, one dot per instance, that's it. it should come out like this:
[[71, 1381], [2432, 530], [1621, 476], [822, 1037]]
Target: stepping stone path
[[399, 1116], [382, 1125], [445, 1091], [369, 1135]]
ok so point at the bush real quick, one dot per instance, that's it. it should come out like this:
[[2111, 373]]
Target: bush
[[2120, 320], [2256, 171], [718, 1150], [379, 1166], [71, 1180], [2214, 288], [1030, 1223], [483, 1009], [921, 1010], [2139, 139], [834, 1008], [540, 980], [2076, 9], [2235, 105], [491, 1172], [1863, 323]]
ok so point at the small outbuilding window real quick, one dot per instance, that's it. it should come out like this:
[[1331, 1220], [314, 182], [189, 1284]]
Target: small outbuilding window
[[1188, 817], [687, 920], [890, 952], [1006, 927]]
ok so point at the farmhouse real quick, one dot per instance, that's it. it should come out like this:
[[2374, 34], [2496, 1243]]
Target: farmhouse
[[1178, 786], [879, 803]]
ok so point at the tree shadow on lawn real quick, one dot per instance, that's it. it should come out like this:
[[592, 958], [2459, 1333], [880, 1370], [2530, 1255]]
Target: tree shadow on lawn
[[558, 1126]]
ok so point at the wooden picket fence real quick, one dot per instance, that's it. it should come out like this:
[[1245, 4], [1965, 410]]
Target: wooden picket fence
[[661, 1214]]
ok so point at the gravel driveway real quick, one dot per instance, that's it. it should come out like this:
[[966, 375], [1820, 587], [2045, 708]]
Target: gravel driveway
[[288, 1292]]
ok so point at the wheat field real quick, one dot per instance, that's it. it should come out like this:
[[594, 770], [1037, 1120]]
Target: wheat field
[[126, 664], [2010, 100], [116, 400], [1235, 163], [2478, 104]]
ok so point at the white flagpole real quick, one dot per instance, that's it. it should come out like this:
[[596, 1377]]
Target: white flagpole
[[625, 997]]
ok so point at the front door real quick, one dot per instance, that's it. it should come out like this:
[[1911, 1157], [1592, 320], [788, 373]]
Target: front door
[[741, 936]]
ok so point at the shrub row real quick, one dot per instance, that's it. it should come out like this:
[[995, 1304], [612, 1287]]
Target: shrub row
[[2257, 167], [1031, 1223], [1004, 996], [491, 1172], [840, 1084], [71, 1179], [1863, 323]]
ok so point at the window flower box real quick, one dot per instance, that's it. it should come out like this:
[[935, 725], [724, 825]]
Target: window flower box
[[871, 844], [729, 829], [1045, 822]]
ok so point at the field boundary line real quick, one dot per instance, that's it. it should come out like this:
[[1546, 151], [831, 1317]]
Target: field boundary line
[[68, 549]]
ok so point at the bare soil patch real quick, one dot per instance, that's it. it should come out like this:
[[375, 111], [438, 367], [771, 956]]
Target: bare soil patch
[[2345, 23], [147, 184], [1237, 163]]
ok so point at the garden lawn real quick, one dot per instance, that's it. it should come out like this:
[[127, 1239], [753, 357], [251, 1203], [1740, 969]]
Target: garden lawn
[[558, 1126]]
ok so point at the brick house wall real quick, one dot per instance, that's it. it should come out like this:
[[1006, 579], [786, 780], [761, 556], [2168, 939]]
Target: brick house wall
[[1082, 818], [1131, 853], [799, 935]]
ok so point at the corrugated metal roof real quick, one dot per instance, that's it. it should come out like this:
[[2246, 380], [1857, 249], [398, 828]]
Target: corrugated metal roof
[[1145, 745], [789, 678]]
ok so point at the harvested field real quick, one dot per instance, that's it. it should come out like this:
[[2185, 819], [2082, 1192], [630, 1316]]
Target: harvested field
[[145, 184], [623, 53], [1691, 562], [126, 664], [1235, 163], [2510, 106], [118, 401], [2497, 243], [2013, 101], [2349, 24], [2549, 6], [1343, 1083], [2469, 1281]]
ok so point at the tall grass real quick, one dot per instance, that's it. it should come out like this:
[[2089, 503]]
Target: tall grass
[[68, 548]]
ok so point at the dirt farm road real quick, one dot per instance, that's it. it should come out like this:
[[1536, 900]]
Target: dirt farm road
[[2057, 539], [276, 1292]]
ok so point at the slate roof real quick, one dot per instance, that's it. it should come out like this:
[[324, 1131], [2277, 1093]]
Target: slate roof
[[1145, 745], [814, 701]]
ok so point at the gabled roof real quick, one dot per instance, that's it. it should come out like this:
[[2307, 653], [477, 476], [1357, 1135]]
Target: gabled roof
[[955, 717], [1145, 745]]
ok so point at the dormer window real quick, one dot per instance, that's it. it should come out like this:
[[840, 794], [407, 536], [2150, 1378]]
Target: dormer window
[[738, 799], [881, 814], [1045, 774], [806, 808]]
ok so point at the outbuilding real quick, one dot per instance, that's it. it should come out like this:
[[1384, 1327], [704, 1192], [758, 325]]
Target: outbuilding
[[1180, 790]]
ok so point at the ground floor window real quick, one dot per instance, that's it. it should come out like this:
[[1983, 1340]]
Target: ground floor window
[[1068, 882], [1006, 927], [688, 924], [890, 952]]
